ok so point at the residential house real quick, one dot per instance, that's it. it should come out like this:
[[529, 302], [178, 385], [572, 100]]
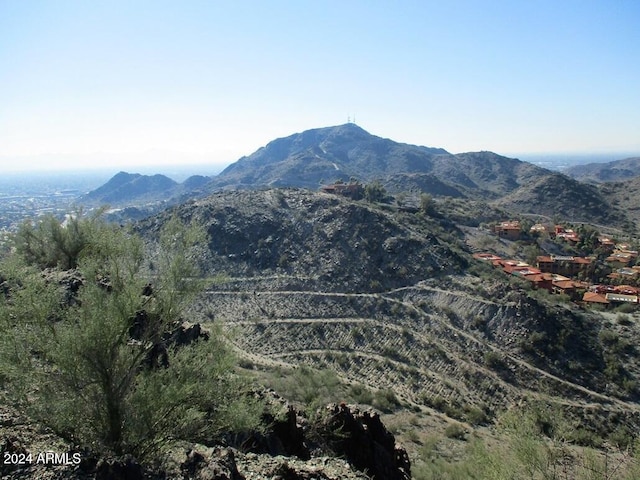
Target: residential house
[[510, 230], [567, 234], [538, 229], [621, 298], [564, 285], [540, 280], [619, 259], [595, 297], [351, 190], [487, 257], [606, 242], [562, 264]]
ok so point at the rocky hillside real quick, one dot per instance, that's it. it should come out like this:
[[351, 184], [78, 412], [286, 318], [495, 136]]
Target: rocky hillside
[[349, 444], [318, 240], [386, 300], [562, 196], [616, 171], [312, 157], [625, 196]]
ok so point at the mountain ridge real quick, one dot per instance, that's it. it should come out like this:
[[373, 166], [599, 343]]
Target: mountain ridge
[[614, 171], [347, 152]]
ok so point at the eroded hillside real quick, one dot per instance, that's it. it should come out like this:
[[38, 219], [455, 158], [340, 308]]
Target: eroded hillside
[[390, 300]]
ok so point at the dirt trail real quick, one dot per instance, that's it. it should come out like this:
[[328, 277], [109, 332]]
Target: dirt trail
[[459, 347]]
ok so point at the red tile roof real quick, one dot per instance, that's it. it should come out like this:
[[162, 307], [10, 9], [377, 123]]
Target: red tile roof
[[594, 297]]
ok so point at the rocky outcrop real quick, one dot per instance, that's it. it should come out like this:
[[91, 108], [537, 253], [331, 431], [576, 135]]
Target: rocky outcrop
[[217, 464], [356, 446], [325, 241], [365, 442]]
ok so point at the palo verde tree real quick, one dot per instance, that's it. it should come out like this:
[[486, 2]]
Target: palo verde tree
[[91, 351]]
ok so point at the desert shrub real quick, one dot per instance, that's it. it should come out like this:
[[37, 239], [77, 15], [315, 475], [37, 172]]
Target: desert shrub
[[374, 192], [385, 400], [627, 308], [623, 319], [361, 394], [476, 416], [311, 387], [455, 430], [494, 360], [93, 358], [49, 243]]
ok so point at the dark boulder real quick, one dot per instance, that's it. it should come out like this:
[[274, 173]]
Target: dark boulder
[[365, 442], [220, 464]]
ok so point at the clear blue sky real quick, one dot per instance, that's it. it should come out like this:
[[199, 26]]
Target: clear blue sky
[[133, 80]]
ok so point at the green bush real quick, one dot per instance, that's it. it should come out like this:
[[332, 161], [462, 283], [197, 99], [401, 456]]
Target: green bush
[[385, 400], [49, 243], [455, 430], [90, 358]]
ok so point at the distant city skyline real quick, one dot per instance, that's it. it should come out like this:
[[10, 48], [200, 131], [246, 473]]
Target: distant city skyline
[[116, 83]]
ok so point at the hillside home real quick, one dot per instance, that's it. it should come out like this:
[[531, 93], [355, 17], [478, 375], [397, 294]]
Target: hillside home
[[540, 280], [523, 271], [512, 267], [620, 298], [595, 297], [626, 248], [625, 272], [610, 294], [487, 257], [619, 259], [351, 190], [510, 230], [603, 289], [566, 234], [627, 290], [562, 265], [606, 242], [563, 285], [538, 229]]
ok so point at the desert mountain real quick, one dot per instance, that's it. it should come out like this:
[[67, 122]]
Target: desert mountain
[[129, 187], [322, 155], [624, 195], [126, 189], [319, 156], [616, 171]]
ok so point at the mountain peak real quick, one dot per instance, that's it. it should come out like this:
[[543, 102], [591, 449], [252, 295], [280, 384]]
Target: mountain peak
[[124, 187], [311, 157]]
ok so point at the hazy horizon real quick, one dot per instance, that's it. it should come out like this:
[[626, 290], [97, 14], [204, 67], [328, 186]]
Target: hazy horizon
[[154, 161]]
